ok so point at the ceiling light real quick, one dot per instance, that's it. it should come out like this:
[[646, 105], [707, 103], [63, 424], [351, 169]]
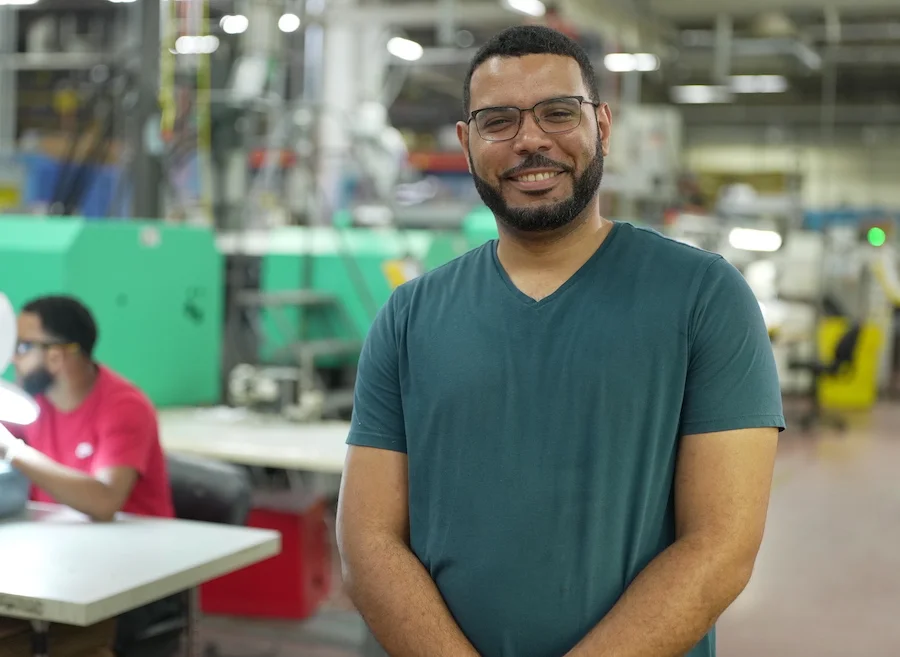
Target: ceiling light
[[529, 7], [646, 62], [758, 84], [234, 24], [698, 94], [620, 62], [18, 3], [289, 23], [623, 62], [196, 45], [752, 239], [405, 49]]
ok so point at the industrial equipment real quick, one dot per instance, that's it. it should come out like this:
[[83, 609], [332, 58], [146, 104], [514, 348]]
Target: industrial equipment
[[155, 291]]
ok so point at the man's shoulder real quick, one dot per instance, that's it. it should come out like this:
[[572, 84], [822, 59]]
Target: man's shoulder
[[460, 272], [119, 392], [666, 250]]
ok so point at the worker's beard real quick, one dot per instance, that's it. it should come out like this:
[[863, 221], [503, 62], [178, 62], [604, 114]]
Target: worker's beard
[[37, 382], [548, 217]]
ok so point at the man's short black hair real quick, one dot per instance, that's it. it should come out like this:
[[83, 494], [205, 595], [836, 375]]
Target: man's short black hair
[[524, 40], [66, 319]]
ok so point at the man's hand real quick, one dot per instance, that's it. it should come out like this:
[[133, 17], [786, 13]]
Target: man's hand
[[388, 584], [722, 489]]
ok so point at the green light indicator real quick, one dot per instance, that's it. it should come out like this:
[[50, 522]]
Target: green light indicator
[[877, 236]]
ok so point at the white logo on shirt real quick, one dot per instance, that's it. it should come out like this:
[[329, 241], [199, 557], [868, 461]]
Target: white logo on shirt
[[84, 450]]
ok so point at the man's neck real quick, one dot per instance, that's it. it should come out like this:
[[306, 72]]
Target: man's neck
[[563, 251], [69, 394]]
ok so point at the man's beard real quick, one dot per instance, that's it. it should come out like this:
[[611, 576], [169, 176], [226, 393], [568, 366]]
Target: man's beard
[[37, 382], [550, 216]]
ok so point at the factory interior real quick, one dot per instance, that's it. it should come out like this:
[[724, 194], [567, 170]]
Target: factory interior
[[235, 188]]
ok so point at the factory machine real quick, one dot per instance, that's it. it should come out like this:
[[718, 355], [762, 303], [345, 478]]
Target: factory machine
[[272, 320]]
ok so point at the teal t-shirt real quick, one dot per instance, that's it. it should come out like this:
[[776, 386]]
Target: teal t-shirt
[[542, 435]]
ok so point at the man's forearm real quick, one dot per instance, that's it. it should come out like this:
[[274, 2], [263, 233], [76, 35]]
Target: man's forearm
[[66, 485], [401, 604], [671, 605]]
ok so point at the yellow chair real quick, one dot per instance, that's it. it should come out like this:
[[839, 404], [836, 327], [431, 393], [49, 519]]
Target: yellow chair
[[854, 386]]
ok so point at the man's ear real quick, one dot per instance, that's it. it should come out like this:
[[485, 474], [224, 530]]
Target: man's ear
[[604, 125], [462, 134]]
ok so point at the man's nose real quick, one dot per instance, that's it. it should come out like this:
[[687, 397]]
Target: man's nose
[[531, 137]]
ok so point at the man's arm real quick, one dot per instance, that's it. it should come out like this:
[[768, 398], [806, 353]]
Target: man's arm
[[126, 432], [388, 584], [730, 419], [386, 581], [100, 497], [721, 496]]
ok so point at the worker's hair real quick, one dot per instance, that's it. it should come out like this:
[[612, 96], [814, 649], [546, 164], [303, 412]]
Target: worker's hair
[[524, 40], [66, 319]]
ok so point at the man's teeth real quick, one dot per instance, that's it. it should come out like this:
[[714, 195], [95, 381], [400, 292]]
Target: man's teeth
[[534, 177]]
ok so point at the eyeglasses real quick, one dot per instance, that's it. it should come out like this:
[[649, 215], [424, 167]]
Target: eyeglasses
[[554, 116], [24, 346]]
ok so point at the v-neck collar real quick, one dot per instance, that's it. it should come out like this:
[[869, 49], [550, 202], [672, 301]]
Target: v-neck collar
[[572, 280]]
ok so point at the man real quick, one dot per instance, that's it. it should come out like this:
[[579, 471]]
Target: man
[[562, 441], [95, 446]]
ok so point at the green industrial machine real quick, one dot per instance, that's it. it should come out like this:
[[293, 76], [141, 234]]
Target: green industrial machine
[[358, 268], [155, 291]]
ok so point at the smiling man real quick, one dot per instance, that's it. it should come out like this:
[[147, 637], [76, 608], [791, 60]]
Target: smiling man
[[563, 441]]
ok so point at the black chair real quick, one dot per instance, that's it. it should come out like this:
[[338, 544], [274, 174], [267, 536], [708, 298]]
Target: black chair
[[205, 491], [840, 364]]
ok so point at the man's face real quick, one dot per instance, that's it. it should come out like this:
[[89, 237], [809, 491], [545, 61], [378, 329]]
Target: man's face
[[512, 175], [36, 360]]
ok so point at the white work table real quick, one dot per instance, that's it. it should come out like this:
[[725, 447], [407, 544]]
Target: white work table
[[60, 567], [244, 438]]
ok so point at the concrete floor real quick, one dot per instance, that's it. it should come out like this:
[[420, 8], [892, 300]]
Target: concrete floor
[[827, 581]]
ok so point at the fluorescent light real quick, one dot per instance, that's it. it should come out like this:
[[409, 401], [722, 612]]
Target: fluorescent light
[[529, 7], [700, 94], [289, 23], [758, 84], [405, 49], [196, 45], [646, 62], [623, 62], [117, 2], [16, 407], [236, 24], [620, 62], [18, 3], [752, 239]]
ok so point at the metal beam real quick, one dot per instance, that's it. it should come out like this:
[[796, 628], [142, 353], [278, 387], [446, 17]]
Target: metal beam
[[8, 103], [146, 169], [422, 14], [698, 9], [776, 115]]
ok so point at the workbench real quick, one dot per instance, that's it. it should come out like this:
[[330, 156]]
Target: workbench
[[63, 568]]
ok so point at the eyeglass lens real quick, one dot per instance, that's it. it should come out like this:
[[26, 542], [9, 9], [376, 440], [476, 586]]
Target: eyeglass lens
[[558, 115]]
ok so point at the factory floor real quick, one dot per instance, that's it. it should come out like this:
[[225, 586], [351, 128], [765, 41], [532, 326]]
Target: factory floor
[[827, 581]]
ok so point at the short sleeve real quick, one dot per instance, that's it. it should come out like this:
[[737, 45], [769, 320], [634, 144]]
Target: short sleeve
[[732, 381], [377, 419], [127, 435]]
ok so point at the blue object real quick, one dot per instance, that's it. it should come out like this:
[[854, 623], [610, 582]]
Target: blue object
[[101, 186], [14, 491]]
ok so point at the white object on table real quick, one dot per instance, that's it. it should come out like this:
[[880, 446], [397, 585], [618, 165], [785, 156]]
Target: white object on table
[[60, 567], [248, 439]]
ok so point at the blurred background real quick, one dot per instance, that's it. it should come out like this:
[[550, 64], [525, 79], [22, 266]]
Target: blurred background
[[236, 186]]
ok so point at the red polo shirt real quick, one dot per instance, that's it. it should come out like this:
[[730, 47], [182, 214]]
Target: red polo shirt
[[116, 425]]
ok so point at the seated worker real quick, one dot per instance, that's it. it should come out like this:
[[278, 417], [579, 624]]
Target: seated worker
[[95, 446]]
